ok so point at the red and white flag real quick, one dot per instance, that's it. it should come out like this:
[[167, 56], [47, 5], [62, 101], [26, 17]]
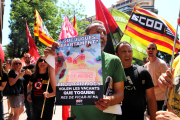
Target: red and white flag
[[1, 53], [33, 51], [67, 31]]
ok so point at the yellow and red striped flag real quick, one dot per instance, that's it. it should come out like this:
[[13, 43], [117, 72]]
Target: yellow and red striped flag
[[147, 27], [41, 31], [74, 22]]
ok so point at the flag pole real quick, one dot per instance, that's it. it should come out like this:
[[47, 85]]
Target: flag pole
[[44, 100], [172, 58]]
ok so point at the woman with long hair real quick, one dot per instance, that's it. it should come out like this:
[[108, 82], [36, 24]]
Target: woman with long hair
[[3, 81], [37, 87], [16, 80]]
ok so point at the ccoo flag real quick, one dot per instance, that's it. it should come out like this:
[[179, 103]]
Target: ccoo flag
[[121, 18], [102, 14], [147, 27], [41, 31]]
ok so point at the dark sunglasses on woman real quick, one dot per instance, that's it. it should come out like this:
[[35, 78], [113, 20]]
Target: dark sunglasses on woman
[[41, 60], [17, 63]]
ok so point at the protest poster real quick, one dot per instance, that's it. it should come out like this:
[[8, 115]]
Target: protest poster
[[78, 70]]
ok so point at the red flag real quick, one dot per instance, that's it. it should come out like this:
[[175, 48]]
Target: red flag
[[1, 54], [30, 40], [33, 51], [67, 31], [102, 14]]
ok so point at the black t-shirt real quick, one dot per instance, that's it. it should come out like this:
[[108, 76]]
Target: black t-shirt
[[3, 78], [19, 82], [38, 88], [134, 94], [27, 77]]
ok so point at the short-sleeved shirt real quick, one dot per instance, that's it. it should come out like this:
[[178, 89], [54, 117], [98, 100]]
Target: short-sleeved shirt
[[3, 78], [111, 66], [19, 82], [156, 68], [38, 88], [133, 105], [27, 77]]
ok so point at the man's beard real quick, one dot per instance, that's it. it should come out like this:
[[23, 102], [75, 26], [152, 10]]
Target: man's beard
[[27, 62]]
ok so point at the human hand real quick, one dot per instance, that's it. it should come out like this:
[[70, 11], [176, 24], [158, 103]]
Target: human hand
[[166, 80], [50, 50], [103, 103], [164, 115], [28, 72], [29, 98], [46, 94], [21, 74]]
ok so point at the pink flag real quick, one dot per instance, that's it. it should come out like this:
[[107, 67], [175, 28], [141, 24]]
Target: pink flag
[[1, 53], [33, 51], [67, 30]]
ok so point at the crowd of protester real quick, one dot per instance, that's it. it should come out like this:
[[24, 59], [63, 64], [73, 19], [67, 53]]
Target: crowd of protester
[[135, 87]]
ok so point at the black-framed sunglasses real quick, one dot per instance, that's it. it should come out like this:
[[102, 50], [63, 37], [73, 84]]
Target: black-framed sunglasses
[[41, 60], [17, 63], [151, 48]]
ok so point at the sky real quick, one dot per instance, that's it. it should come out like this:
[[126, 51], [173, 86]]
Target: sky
[[167, 9]]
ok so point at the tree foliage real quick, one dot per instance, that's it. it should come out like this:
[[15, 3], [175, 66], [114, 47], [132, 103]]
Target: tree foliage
[[52, 16]]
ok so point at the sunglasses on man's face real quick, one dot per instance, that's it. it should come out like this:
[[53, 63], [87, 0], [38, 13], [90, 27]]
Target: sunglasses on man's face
[[17, 63], [151, 48], [41, 60]]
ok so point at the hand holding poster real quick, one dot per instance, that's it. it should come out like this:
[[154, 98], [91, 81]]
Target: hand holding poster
[[78, 70]]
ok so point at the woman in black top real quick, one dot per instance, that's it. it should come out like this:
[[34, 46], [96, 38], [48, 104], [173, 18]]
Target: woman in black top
[[37, 86], [16, 81], [3, 81]]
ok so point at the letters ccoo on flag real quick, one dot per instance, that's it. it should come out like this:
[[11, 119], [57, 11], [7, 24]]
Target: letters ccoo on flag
[[147, 27]]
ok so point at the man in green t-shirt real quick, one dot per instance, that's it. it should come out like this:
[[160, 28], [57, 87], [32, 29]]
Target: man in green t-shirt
[[111, 66]]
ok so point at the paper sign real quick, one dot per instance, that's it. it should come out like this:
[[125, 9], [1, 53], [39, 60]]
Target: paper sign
[[51, 60], [78, 70]]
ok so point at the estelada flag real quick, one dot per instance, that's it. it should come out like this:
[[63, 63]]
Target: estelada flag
[[74, 22], [102, 14], [33, 51], [67, 31], [1, 53], [41, 31], [147, 27]]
